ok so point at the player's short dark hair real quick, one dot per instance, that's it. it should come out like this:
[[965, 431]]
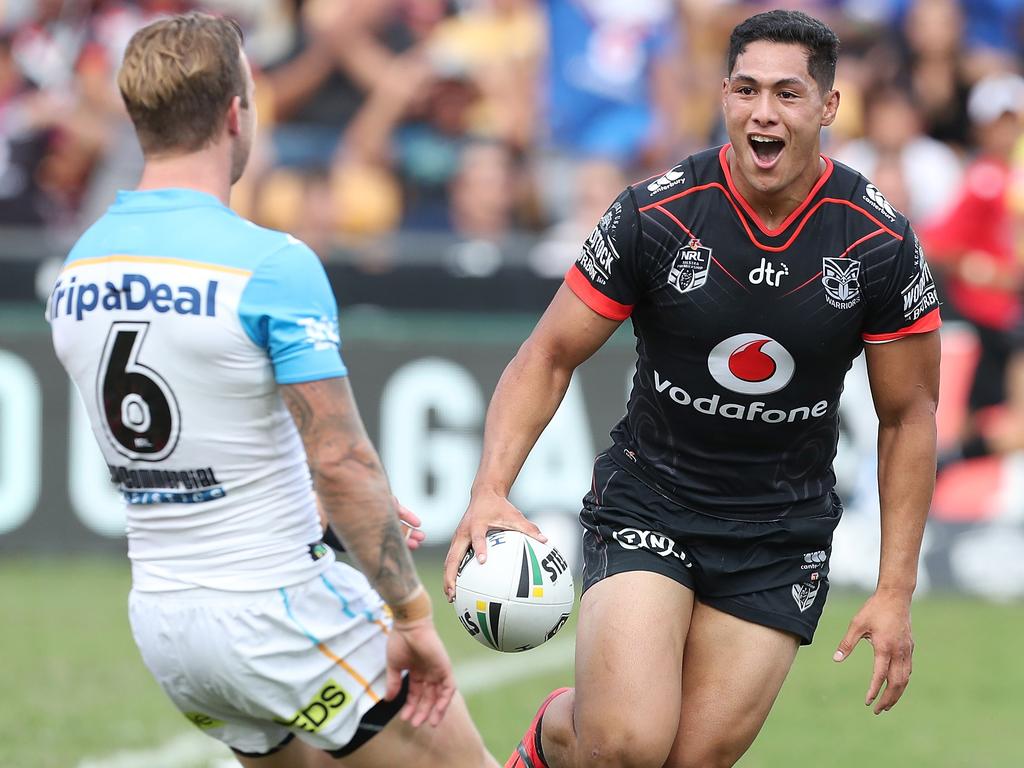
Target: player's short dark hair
[[793, 27], [178, 77]]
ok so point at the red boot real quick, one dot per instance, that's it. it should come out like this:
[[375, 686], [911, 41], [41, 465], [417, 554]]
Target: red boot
[[527, 755]]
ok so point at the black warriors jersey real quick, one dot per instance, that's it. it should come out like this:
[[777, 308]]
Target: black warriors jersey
[[744, 334]]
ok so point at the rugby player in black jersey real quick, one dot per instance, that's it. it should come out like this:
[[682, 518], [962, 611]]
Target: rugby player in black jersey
[[753, 275]]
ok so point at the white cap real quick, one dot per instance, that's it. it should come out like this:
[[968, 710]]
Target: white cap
[[995, 95]]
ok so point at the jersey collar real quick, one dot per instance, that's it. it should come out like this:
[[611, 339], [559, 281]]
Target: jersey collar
[[164, 199], [826, 174]]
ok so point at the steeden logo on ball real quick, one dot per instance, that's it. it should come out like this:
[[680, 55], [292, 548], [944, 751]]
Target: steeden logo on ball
[[519, 598]]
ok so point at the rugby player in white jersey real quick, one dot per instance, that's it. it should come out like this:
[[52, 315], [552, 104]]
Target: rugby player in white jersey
[[206, 351]]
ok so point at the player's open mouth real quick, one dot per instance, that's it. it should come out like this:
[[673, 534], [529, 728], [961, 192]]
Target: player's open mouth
[[766, 149]]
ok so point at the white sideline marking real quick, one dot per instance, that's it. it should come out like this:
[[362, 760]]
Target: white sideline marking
[[188, 750], [191, 749]]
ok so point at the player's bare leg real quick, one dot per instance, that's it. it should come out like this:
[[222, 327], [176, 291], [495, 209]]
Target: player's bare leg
[[629, 653], [455, 743], [732, 673], [296, 754]]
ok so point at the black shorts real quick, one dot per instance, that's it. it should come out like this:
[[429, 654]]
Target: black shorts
[[772, 572]]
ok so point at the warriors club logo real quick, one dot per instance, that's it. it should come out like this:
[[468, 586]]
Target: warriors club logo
[[839, 277], [752, 364]]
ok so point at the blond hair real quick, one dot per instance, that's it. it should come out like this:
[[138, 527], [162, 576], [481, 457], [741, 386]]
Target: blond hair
[[178, 78]]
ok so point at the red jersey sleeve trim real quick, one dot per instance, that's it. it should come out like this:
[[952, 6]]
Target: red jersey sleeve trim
[[593, 298], [929, 322]]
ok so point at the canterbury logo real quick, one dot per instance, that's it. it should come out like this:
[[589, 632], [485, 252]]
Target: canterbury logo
[[670, 179]]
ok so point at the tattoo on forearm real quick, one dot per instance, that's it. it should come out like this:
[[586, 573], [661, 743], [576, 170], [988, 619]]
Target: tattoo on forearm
[[299, 407], [396, 575], [351, 484]]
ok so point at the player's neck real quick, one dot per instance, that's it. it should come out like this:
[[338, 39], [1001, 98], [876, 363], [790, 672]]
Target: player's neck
[[773, 208], [204, 171]]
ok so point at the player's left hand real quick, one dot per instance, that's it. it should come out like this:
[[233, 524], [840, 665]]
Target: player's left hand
[[414, 647], [884, 621], [410, 525], [410, 521]]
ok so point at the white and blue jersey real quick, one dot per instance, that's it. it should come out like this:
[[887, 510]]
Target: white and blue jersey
[[177, 320]]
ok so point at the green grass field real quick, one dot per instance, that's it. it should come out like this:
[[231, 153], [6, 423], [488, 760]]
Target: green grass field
[[74, 691]]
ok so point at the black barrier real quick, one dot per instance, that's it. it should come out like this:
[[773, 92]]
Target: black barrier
[[423, 382]]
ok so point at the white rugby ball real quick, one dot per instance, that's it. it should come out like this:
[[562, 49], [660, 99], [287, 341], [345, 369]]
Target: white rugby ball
[[519, 598]]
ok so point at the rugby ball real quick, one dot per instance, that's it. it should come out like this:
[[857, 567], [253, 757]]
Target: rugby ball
[[519, 598]]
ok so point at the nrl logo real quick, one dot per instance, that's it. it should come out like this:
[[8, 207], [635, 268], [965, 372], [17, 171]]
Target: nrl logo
[[690, 267], [839, 278]]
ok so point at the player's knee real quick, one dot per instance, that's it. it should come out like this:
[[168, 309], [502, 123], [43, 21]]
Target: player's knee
[[625, 746]]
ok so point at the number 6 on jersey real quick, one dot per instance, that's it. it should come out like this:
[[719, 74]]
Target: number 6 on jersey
[[140, 413]]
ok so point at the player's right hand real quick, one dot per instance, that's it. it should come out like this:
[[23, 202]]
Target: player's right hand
[[488, 511], [415, 648]]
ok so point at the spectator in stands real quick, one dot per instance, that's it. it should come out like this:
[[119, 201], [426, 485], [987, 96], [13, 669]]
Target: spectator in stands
[[339, 51], [1002, 427], [917, 174], [66, 55], [414, 125], [102, 131], [993, 34], [933, 68], [597, 181], [608, 81], [482, 203], [25, 117], [973, 243], [501, 43]]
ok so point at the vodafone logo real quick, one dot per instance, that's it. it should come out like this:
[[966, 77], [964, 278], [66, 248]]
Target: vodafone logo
[[752, 364]]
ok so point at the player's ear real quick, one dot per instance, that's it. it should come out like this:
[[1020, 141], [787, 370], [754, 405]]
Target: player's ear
[[725, 89], [234, 121], [831, 107]]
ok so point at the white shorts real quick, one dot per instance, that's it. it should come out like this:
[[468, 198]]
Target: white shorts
[[254, 668]]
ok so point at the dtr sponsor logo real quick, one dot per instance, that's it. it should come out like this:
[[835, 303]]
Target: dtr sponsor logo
[[767, 273]]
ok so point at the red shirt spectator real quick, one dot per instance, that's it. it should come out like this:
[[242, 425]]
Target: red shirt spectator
[[974, 241]]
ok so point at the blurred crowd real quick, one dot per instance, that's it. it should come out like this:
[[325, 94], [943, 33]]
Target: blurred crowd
[[482, 120]]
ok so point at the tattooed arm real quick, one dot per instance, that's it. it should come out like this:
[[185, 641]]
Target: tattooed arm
[[352, 487], [354, 492]]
